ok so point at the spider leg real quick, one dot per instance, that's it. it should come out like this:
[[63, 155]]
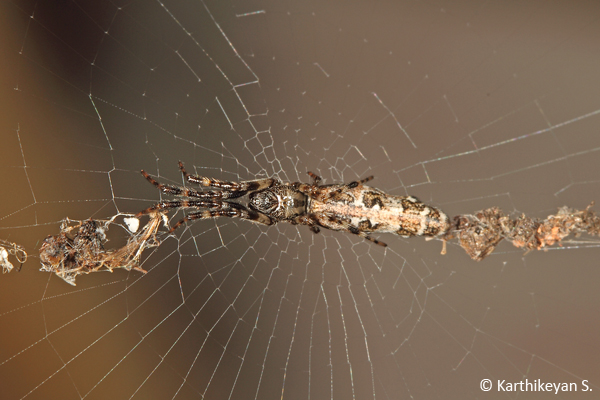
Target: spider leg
[[354, 184], [226, 209], [316, 178], [179, 203], [238, 189], [337, 224], [343, 188], [351, 185], [309, 190], [306, 220], [189, 192], [354, 230]]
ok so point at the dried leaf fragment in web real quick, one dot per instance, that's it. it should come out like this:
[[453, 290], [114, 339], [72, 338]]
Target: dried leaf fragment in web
[[479, 234]]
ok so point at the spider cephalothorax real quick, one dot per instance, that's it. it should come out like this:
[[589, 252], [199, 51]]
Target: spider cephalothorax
[[351, 207], [281, 202]]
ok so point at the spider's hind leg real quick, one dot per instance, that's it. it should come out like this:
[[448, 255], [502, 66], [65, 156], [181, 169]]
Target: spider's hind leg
[[336, 224], [356, 231], [316, 178], [308, 221], [354, 184]]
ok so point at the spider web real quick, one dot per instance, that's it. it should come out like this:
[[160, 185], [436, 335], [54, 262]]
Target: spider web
[[465, 105]]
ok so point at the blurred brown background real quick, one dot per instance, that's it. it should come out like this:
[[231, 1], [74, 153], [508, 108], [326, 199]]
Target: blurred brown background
[[465, 105]]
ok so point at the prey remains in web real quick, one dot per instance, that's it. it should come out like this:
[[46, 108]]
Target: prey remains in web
[[79, 248]]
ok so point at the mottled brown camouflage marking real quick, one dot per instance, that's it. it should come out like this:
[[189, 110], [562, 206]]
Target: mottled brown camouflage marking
[[367, 226], [370, 199]]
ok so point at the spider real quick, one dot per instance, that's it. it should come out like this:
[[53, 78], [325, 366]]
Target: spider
[[351, 207]]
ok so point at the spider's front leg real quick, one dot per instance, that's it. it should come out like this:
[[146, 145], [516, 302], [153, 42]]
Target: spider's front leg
[[189, 192], [165, 205], [226, 209], [237, 189]]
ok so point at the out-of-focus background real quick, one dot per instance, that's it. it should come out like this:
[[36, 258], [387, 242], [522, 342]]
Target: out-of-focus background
[[466, 105]]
